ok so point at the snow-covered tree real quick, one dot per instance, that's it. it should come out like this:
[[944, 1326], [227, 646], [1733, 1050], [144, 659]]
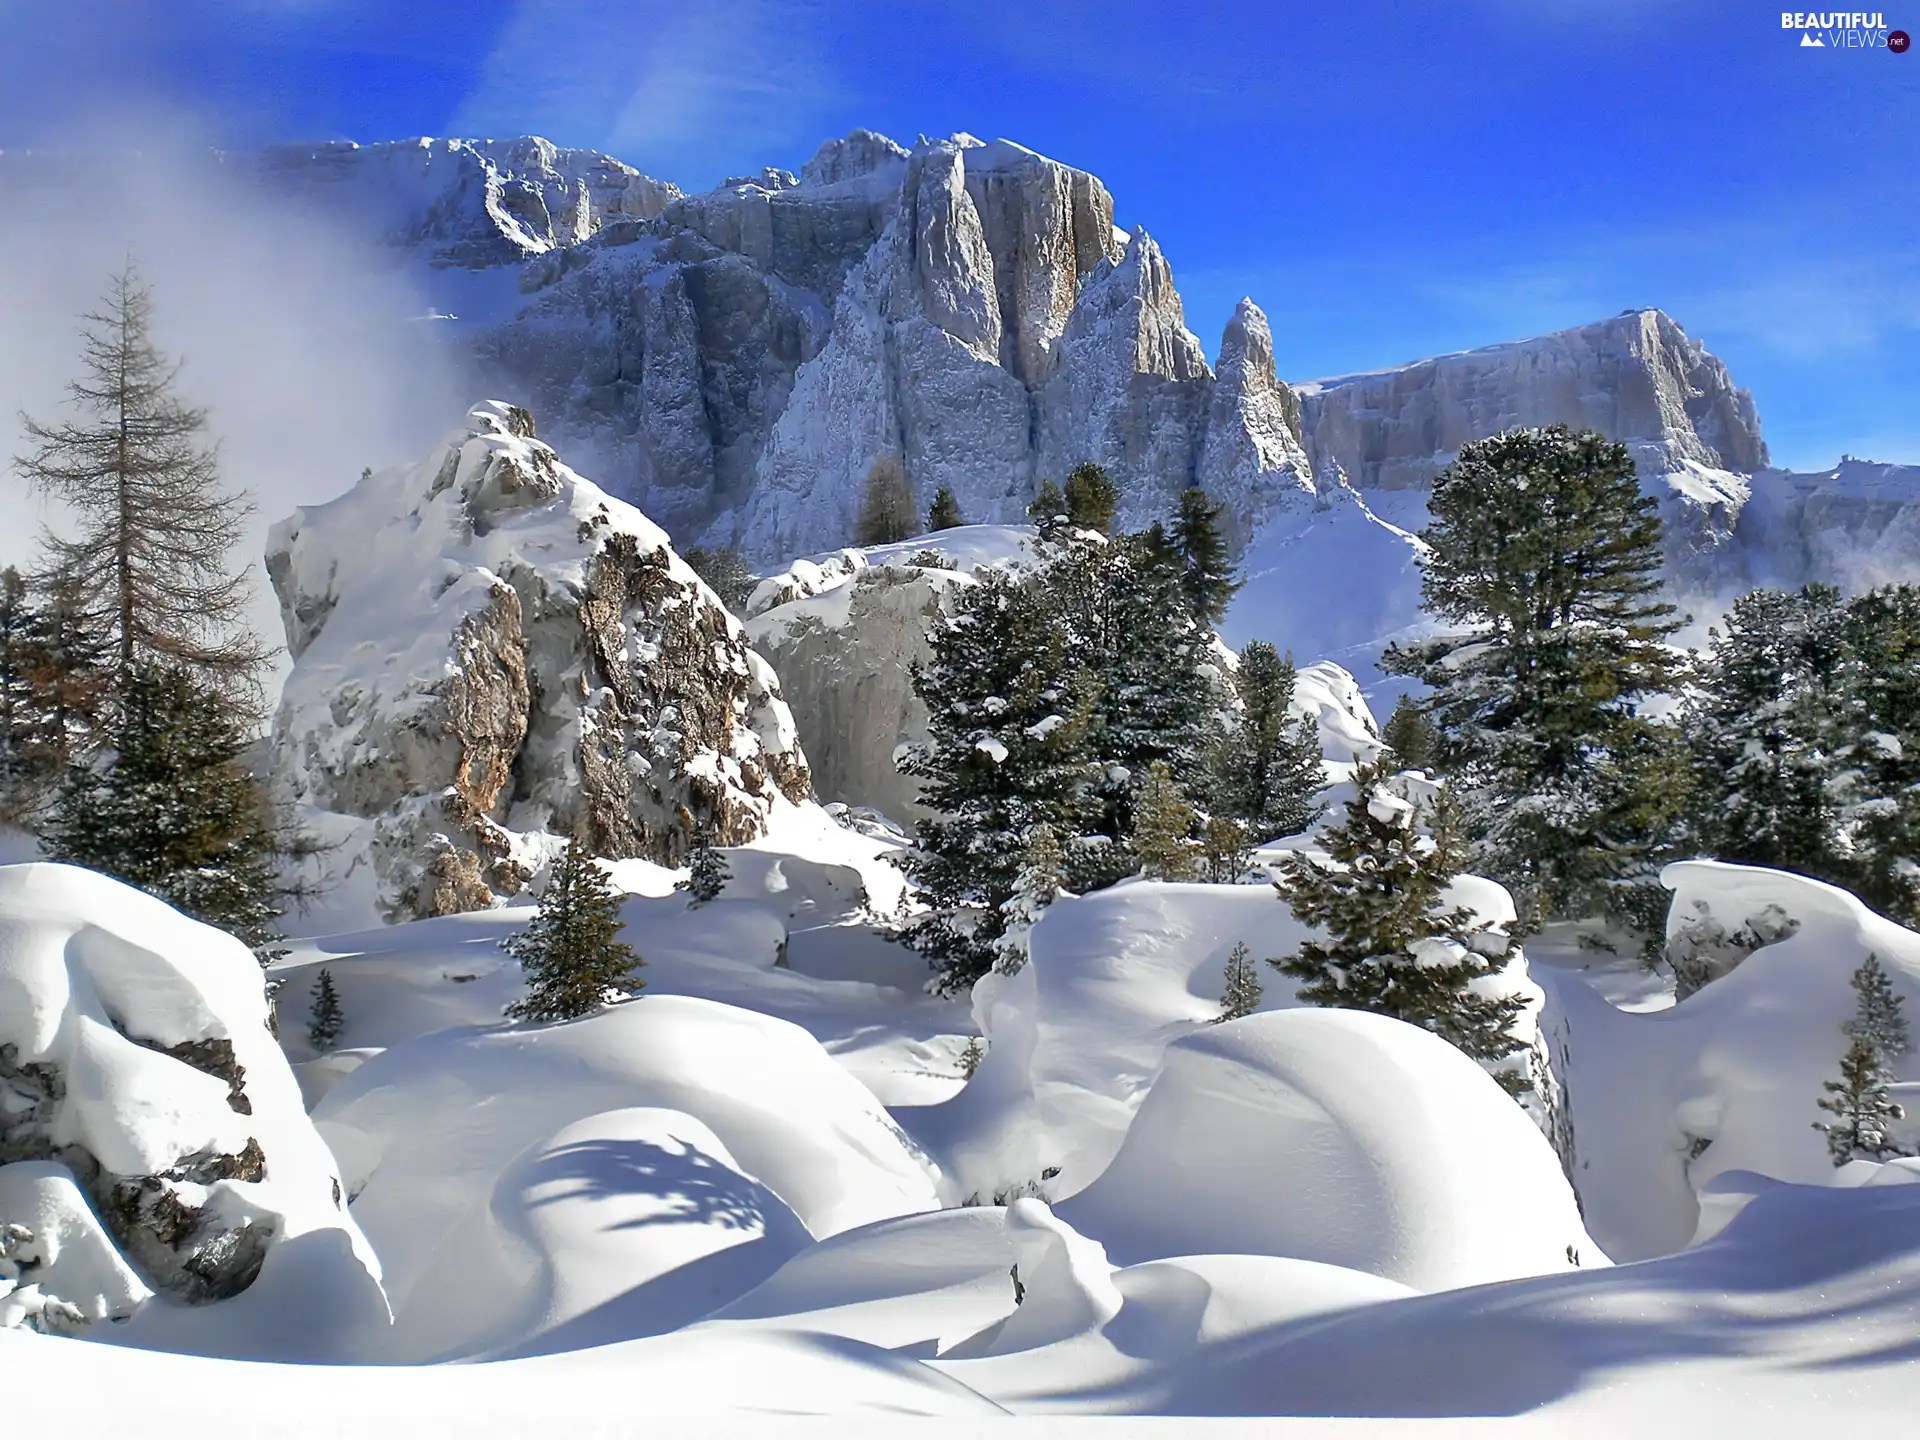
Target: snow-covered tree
[[1394, 945], [1207, 578], [571, 951], [1763, 719], [1408, 736], [1267, 761], [1091, 498], [1163, 823], [174, 810], [1038, 884], [707, 872], [1008, 717], [24, 1303], [944, 513], [1546, 556], [1860, 1101], [1880, 783], [1240, 992], [149, 568], [887, 510], [325, 1019]]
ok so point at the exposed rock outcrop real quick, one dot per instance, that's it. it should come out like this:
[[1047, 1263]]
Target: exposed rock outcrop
[[151, 1133], [489, 652]]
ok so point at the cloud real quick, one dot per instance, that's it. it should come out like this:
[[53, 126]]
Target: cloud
[[296, 340], [691, 93]]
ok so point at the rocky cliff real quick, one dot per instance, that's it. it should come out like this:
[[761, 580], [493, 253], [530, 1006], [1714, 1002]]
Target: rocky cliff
[[490, 652]]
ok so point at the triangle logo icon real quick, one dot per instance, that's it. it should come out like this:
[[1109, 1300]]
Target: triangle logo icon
[[1812, 42]]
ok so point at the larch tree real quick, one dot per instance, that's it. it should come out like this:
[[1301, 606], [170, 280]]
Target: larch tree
[[1545, 556], [571, 951], [149, 568], [887, 509]]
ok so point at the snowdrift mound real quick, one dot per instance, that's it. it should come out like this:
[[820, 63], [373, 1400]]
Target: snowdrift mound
[[1342, 1137], [625, 1224], [490, 652], [137, 1071], [1666, 1101], [426, 1131]]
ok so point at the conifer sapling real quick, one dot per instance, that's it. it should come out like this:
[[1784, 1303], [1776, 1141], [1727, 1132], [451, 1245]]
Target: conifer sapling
[[572, 953], [707, 872], [1240, 993], [326, 1019], [1859, 1100]]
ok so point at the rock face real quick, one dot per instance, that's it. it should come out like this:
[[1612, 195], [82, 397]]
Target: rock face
[[468, 204], [490, 652], [151, 1133]]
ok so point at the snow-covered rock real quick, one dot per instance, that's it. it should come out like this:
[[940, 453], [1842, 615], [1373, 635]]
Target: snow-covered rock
[[490, 652], [464, 203], [1342, 1137], [151, 1133]]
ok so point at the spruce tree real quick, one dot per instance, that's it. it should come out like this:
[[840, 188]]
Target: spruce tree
[[887, 510], [944, 513], [1545, 556], [1163, 822], [1240, 994], [1879, 1016], [1408, 736], [1394, 945], [1207, 575], [32, 748], [1008, 717], [1269, 766], [725, 573], [148, 570], [707, 872], [326, 1019], [1091, 498], [1862, 1109], [175, 811], [571, 951]]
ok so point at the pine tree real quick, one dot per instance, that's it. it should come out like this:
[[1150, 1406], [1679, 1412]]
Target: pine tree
[[1008, 721], [1394, 946], [944, 513], [1048, 509], [1861, 1107], [1269, 764], [725, 573], [1879, 748], [175, 811], [572, 953], [1223, 849], [1091, 498], [1878, 1017], [326, 1019], [707, 872], [887, 511], [1409, 736], [147, 570], [1543, 548], [1207, 576], [1241, 991], [31, 746], [971, 1054], [1163, 822], [1037, 885], [1763, 720]]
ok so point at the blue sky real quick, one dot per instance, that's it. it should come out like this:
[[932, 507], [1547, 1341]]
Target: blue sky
[[1387, 180]]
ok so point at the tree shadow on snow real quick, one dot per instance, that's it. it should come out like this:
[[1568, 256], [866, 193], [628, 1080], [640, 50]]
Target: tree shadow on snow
[[692, 1188]]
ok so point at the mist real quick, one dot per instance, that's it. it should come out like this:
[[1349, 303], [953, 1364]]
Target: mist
[[301, 337]]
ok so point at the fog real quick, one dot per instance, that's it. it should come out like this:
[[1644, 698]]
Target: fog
[[300, 337]]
